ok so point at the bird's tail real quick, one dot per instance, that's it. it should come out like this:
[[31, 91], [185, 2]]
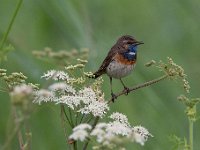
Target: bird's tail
[[97, 74]]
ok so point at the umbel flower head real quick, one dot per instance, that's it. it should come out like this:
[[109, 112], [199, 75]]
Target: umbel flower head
[[62, 88], [85, 100], [55, 75], [80, 132], [43, 95], [21, 93], [140, 134], [111, 133], [119, 117]]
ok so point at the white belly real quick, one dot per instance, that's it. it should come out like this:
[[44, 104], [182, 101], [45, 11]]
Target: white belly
[[118, 70]]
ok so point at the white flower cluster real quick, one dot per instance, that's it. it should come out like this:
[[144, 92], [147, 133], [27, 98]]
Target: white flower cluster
[[97, 108], [84, 101], [62, 87], [43, 95], [80, 132], [22, 90], [55, 75], [107, 133], [140, 134], [119, 117], [87, 102]]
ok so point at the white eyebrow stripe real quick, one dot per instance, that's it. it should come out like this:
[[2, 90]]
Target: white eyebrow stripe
[[131, 53]]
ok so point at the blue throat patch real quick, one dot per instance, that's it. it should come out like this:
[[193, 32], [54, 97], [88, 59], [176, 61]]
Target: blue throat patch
[[131, 54]]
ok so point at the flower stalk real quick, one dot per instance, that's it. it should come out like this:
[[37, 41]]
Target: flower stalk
[[191, 133], [10, 24], [93, 126]]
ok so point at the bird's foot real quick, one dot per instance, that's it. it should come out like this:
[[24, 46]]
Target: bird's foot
[[126, 90], [113, 97]]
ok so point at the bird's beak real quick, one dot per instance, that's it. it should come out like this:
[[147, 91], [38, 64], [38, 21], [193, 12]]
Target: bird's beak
[[139, 43]]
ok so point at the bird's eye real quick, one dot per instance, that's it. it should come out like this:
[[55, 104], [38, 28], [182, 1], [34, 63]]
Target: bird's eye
[[129, 42]]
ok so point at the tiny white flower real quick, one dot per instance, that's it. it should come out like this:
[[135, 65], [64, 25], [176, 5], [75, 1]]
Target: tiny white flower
[[140, 134], [79, 135], [118, 128], [62, 87], [49, 74], [120, 118], [43, 95], [80, 132], [107, 133], [88, 94], [101, 125], [99, 133], [96, 108], [70, 100], [82, 126], [108, 138], [22, 89], [61, 75], [70, 89], [55, 75]]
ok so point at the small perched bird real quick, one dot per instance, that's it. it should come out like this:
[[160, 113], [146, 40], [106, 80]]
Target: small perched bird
[[120, 60]]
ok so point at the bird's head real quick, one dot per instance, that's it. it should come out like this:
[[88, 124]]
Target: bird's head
[[128, 40]]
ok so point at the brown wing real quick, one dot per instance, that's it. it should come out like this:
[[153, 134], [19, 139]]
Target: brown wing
[[113, 51]]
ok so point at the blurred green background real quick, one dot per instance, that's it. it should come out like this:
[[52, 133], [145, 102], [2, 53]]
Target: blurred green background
[[167, 27]]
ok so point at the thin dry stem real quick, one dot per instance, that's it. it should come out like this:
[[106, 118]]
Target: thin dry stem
[[148, 83]]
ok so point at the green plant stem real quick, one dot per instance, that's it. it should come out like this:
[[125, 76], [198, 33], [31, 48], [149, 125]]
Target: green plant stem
[[10, 24], [20, 139], [191, 133], [93, 126], [63, 124], [10, 138], [90, 119], [75, 145], [82, 118], [63, 111], [77, 115], [71, 118], [148, 83], [28, 134], [18, 123]]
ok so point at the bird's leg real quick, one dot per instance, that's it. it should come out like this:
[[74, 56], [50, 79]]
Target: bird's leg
[[125, 88], [112, 94]]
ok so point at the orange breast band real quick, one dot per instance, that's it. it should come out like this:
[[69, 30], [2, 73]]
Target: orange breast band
[[120, 59]]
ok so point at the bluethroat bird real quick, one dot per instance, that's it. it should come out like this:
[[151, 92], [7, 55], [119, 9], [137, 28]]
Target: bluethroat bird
[[120, 61]]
